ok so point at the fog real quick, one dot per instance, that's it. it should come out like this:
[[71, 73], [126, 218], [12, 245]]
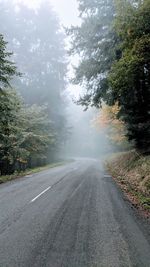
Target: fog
[[74, 133], [86, 140], [34, 32]]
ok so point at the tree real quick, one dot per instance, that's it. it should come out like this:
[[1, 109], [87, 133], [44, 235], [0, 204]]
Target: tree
[[9, 130], [108, 120], [37, 40], [7, 67], [115, 61], [38, 135], [8, 107], [26, 133], [130, 75], [94, 42]]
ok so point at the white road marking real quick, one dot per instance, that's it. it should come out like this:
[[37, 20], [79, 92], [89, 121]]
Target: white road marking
[[41, 194]]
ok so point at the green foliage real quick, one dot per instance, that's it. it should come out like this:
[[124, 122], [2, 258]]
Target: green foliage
[[38, 133], [25, 132], [36, 38], [94, 41], [113, 42], [9, 130], [7, 67], [130, 75], [37, 42]]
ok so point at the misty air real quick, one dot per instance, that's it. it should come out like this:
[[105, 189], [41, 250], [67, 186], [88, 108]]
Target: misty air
[[74, 133]]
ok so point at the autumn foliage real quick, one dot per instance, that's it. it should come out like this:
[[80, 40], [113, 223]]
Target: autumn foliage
[[107, 119]]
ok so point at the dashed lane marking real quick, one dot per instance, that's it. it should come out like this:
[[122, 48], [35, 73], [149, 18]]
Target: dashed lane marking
[[42, 193]]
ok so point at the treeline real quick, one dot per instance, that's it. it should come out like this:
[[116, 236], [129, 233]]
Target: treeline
[[113, 42], [33, 126], [26, 134]]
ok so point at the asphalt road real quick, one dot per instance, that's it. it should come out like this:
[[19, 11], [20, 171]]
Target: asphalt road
[[70, 216]]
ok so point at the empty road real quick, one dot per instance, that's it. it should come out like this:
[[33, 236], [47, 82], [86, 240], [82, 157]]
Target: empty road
[[70, 216]]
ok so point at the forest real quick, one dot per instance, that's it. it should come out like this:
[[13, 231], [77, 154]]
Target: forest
[[74, 133], [113, 46], [113, 43], [33, 66]]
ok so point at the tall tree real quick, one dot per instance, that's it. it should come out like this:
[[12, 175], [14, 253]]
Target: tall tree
[[115, 61], [37, 40], [38, 44], [94, 41], [26, 133], [9, 108], [7, 67], [130, 75]]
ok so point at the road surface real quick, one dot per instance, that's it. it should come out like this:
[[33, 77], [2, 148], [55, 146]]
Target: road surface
[[70, 216]]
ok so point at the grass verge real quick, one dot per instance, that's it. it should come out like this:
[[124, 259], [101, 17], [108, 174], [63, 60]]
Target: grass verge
[[7, 178], [132, 172]]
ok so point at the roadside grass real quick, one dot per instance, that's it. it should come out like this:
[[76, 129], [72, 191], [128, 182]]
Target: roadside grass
[[7, 178], [132, 172]]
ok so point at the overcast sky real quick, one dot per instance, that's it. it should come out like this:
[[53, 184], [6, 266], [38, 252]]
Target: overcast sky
[[67, 10]]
